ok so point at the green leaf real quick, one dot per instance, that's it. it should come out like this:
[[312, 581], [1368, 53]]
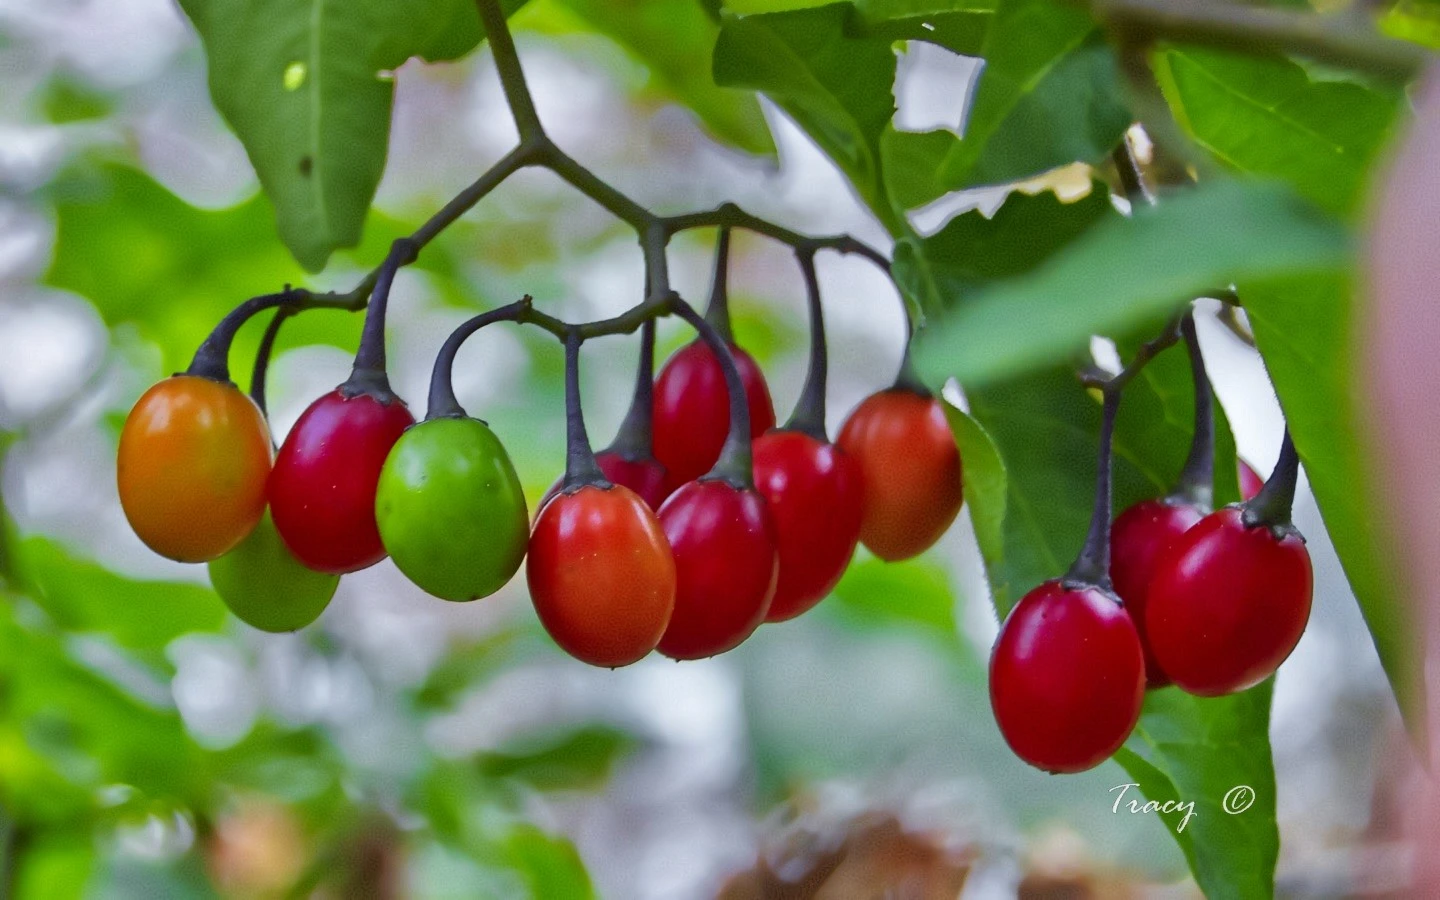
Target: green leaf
[[550, 865], [873, 592], [958, 25], [1127, 271], [1267, 116], [1049, 95], [1206, 751], [985, 483], [307, 90], [676, 41], [1413, 20], [1304, 327], [837, 86], [84, 596], [581, 759]]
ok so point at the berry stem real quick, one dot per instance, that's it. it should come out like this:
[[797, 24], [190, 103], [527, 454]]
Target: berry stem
[[442, 402], [368, 376], [1092, 566], [1272, 507], [262, 357], [634, 439], [1197, 479], [580, 465], [717, 311], [809, 414], [735, 464]]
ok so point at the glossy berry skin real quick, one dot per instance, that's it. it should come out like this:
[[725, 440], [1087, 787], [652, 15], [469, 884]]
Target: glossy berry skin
[[1139, 538], [645, 477], [726, 567], [1228, 604], [322, 490], [451, 510], [266, 587], [692, 410], [601, 575], [815, 495], [1250, 480], [910, 469], [1067, 677], [192, 465]]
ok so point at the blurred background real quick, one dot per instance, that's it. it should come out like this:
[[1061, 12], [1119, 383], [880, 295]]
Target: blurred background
[[151, 745]]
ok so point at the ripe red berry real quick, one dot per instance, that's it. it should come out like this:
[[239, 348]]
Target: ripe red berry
[[1250, 480], [816, 499], [692, 412], [726, 565], [322, 488], [1228, 604], [645, 477], [1067, 677], [601, 575], [1139, 538], [910, 469]]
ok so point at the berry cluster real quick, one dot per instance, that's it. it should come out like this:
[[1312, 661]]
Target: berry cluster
[[1170, 593], [701, 521]]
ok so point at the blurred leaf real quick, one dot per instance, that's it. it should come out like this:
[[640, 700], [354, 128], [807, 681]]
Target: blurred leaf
[[958, 25], [581, 759], [307, 90], [1127, 271], [911, 163], [1049, 95], [1304, 327], [675, 39], [947, 268], [1267, 116], [835, 85], [464, 668], [984, 478], [915, 592], [1413, 20], [550, 865], [1196, 749], [66, 101], [54, 865], [84, 596]]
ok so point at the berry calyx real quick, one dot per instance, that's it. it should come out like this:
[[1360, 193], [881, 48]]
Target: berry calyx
[[601, 575], [726, 567], [1067, 677], [910, 469], [192, 466], [322, 489]]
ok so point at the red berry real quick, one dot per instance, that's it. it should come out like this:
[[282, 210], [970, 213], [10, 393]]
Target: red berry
[[1250, 480], [1067, 677], [1138, 539], [692, 410], [1228, 604], [322, 489], [726, 567], [816, 500], [645, 477], [910, 468], [601, 575]]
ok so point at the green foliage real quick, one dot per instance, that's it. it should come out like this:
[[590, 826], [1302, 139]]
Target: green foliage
[[1305, 327], [576, 760], [676, 41], [1131, 270], [985, 483], [1267, 115], [308, 91]]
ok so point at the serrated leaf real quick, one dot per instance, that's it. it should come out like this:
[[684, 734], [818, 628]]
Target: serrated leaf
[[1049, 95], [835, 83], [676, 41], [306, 87], [1127, 271], [1304, 327], [1266, 115]]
